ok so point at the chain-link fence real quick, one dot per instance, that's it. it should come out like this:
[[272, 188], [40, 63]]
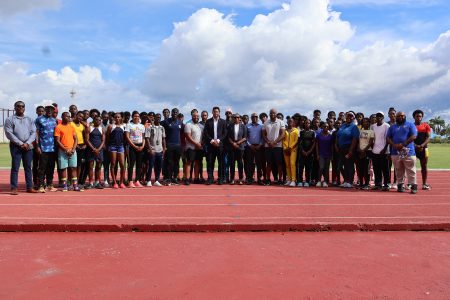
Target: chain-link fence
[[4, 114]]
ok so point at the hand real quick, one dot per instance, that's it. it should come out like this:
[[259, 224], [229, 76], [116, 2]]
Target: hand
[[235, 146], [398, 146], [25, 146], [349, 155]]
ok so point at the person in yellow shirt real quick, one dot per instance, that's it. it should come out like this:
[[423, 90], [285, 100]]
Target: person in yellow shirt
[[80, 128], [290, 142]]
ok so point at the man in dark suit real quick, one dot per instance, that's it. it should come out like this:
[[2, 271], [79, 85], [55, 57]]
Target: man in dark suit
[[215, 133], [237, 137]]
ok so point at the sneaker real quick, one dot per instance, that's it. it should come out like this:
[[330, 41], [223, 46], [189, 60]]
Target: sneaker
[[122, 186], [426, 187], [333, 183], [324, 184], [365, 188], [288, 183], [306, 184], [106, 184], [385, 188], [98, 186], [88, 186], [319, 184], [292, 184], [131, 184], [76, 188], [300, 184], [138, 184], [65, 188], [156, 183], [408, 186], [414, 189], [400, 188], [41, 189], [348, 185], [149, 183], [343, 185], [187, 182], [394, 186], [115, 186]]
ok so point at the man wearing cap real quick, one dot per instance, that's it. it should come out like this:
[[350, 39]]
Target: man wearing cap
[[45, 142], [21, 133], [380, 153], [401, 137]]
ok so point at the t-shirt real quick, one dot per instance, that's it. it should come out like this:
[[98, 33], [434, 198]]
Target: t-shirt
[[423, 132], [364, 138], [79, 130], [346, 134], [156, 134], [136, 132], [65, 133], [325, 143], [400, 133], [195, 130], [306, 139], [173, 131], [380, 137], [290, 138], [273, 131], [46, 127]]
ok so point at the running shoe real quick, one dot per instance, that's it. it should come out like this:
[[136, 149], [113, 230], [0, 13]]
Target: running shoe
[[41, 189], [292, 184], [115, 186], [324, 184], [65, 188], [426, 187], [149, 184], [319, 184], [98, 186], [138, 184], [131, 184], [123, 186], [156, 183]]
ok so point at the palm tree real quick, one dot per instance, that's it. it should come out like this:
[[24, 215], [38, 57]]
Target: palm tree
[[438, 125]]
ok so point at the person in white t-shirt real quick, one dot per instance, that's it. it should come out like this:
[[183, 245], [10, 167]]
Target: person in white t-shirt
[[134, 134], [273, 134], [380, 154], [366, 137], [194, 148]]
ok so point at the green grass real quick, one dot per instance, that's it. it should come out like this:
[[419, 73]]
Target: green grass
[[439, 156]]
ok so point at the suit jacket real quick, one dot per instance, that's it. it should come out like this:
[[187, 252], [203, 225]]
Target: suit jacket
[[208, 131], [242, 133]]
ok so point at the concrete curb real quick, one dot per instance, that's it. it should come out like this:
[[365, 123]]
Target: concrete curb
[[316, 227]]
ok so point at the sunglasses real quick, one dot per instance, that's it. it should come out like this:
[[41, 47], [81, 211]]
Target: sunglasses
[[20, 106]]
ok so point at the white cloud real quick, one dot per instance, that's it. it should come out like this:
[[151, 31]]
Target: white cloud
[[12, 7], [91, 89], [296, 59]]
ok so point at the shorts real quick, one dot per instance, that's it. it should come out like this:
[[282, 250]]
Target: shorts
[[92, 157], [65, 161], [193, 155], [273, 156], [423, 154], [118, 149]]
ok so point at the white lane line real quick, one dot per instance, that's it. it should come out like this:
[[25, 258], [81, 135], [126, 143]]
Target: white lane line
[[223, 204], [184, 196], [224, 218]]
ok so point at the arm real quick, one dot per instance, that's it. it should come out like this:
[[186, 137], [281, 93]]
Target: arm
[[76, 142], [32, 137], [9, 132], [280, 136], [87, 141]]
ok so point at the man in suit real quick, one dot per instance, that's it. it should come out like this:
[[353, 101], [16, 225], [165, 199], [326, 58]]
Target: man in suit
[[215, 133], [237, 137]]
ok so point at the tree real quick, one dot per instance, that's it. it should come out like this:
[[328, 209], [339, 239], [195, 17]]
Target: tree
[[438, 125]]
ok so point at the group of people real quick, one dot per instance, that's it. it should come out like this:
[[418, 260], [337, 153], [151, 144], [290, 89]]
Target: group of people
[[135, 148]]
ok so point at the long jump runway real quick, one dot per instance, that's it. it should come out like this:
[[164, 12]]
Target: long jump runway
[[227, 208]]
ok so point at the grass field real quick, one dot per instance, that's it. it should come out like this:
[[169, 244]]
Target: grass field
[[439, 156]]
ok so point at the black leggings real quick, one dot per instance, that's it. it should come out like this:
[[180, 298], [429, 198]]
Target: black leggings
[[236, 156], [135, 158], [304, 162], [46, 170]]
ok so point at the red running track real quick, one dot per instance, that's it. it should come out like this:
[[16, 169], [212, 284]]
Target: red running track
[[265, 265], [227, 208]]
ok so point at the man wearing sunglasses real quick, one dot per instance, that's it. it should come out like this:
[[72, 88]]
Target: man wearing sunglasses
[[21, 133]]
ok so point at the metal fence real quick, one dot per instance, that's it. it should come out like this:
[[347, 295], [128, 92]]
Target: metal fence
[[4, 114]]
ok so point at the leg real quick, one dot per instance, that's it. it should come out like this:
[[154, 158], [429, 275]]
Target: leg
[[158, 160], [27, 159], [16, 157], [112, 163], [131, 162]]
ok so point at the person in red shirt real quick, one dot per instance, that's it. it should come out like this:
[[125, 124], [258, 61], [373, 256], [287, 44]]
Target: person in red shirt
[[421, 145]]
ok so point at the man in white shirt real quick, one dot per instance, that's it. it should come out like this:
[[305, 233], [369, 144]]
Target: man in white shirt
[[273, 134], [193, 133], [380, 153]]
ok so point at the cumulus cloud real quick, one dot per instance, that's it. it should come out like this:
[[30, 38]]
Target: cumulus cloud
[[92, 90], [12, 7], [296, 59]]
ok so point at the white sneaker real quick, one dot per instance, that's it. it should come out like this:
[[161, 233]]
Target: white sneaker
[[319, 184], [106, 184], [343, 185], [287, 183], [292, 184], [306, 184], [300, 184], [149, 183], [348, 185], [325, 185], [156, 183]]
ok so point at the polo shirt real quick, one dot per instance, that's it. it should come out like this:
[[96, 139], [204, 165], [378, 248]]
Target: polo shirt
[[254, 134], [273, 131], [346, 134], [400, 133], [173, 131]]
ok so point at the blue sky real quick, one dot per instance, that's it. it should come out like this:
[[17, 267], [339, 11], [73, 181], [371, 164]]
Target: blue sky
[[123, 39]]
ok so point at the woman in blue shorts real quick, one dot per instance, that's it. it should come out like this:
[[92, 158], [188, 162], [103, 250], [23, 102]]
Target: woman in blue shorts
[[115, 142]]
